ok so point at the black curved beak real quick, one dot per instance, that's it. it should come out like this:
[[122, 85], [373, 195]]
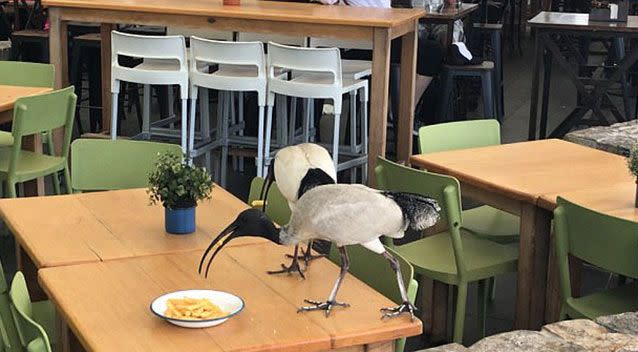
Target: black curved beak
[[265, 188], [218, 243]]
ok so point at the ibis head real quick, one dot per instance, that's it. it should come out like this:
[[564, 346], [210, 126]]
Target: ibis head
[[250, 222]]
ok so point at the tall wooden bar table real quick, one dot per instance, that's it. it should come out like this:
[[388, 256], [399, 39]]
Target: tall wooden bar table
[[552, 25], [377, 25]]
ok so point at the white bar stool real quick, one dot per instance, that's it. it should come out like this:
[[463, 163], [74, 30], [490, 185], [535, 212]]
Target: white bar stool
[[240, 67], [315, 73], [164, 64]]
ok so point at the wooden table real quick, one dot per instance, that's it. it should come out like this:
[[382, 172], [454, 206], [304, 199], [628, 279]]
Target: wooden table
[[549, 27], [112, 314], [8, 97], [377, 25], [513, 177], [92, 227]]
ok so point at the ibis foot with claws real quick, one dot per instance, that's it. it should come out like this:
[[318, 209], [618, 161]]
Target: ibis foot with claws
[[325, 306], [292, 268], [307, 255], [405, 307]]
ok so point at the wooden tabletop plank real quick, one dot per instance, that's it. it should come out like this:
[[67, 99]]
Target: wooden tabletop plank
[[617, 199], [581, 22], [59, 230], [528, 170], [97, 226], [140, 227], [256, 9], [268, 323], [9, 94], [356, 325]]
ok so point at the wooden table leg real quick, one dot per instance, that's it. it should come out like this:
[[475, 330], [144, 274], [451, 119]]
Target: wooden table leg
[[378, 98], [67, 341], [532, 267], [30, 271], [533, 109], [105, 48], [405, 120], [59, 57]]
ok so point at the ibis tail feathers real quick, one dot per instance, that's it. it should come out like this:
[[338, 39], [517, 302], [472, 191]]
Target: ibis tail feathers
[[419, 212]]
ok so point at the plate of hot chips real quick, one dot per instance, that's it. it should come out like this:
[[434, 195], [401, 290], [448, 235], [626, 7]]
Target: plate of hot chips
[[197, 308]]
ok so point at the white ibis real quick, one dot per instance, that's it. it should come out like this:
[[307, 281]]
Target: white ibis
[[297, 169], [344, 215]]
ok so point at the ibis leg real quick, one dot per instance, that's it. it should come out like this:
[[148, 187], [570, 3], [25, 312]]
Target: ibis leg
[[307, 255], [293, 267], [331, 302], [406, 306]]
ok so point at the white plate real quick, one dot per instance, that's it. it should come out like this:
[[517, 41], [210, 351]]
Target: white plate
[[224, 300]]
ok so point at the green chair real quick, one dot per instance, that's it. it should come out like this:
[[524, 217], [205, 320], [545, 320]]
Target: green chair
[[9, 333], [483, 221], [32, 115], [15, 73], [35, 322], [455, 257], [604, 241], [100, 165], [375, 271], [276, 205]]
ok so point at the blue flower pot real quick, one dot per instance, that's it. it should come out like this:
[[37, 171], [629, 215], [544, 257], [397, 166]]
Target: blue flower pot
[[179, 221]]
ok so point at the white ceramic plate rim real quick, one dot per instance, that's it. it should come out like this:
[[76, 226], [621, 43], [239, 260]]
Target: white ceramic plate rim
[[161, 315]]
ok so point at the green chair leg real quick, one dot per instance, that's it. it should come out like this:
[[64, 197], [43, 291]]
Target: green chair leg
[[67, 180], [56, 183], [11, 192], [459, 315], [492, 288], [483, 295]]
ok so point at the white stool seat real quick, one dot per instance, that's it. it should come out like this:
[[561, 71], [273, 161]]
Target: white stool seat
[[347, 83], [358, 69]]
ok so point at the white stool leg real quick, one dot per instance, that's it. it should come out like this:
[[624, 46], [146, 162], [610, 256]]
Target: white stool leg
[[293, 120], [240, 118], [260, 143], [146, 111], [223, 127], [267, 137], [335, 139], [170, 96], [311, 123], [184, 128], [364, 134], [306, 120], [232, 122], [191, 128], [114, 106], [204, 114], [353, 132]]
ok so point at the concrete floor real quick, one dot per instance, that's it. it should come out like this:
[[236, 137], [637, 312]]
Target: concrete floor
[[517, 75]]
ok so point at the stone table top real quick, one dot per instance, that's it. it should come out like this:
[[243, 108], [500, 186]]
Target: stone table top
[[617, 138], [618, 333]]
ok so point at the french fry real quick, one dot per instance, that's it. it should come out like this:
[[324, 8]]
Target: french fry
[[192, 309]]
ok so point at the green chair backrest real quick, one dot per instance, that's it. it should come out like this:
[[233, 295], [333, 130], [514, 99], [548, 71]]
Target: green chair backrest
[[602, 240], [43, 113], [100, 165], [375, 271], [277, 208], [445, 189], [22, 309], [15, 73], [459, 135], [10, 340]]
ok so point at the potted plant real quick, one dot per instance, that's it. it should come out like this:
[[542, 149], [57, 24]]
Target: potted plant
[[178, 186], [632, 161]]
